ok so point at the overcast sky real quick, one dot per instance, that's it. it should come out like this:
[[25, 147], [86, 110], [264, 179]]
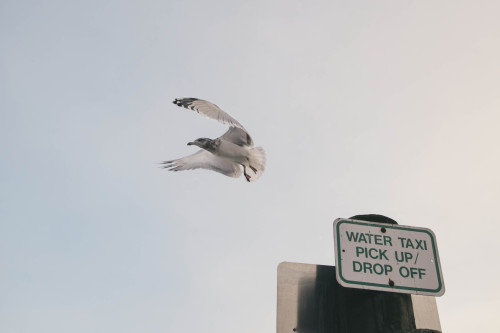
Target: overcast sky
[[388, 107]]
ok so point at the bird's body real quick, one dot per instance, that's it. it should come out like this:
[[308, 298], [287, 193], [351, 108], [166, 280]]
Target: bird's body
[[227, 149], [231, 154]]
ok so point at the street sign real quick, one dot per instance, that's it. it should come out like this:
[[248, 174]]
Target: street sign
[[387, 257]]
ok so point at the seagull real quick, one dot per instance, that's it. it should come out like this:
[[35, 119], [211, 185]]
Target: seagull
[[230, 154]]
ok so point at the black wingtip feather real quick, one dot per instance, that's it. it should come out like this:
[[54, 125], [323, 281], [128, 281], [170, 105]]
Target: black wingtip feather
[[185, 102]]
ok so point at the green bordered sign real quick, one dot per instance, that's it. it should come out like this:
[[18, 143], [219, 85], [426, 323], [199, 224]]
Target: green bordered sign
[[387, 257]]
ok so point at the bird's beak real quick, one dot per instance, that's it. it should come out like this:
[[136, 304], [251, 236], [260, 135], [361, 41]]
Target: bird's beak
[[190, 143]]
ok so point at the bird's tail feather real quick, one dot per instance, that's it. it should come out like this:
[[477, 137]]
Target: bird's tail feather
[[258, 162]]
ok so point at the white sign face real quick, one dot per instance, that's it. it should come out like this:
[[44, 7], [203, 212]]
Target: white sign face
[[387, 257]]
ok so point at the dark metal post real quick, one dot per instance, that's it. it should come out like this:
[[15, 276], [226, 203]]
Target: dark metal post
[[374, 311]]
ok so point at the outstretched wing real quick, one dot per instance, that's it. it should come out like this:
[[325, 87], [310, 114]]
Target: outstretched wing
[[208, 109], [238, 136], [205, 160]]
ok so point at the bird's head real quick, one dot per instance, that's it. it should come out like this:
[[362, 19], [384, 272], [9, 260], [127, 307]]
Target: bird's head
[[201, 142]]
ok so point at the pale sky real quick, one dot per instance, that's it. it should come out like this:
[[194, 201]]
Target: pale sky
[[388, 107]]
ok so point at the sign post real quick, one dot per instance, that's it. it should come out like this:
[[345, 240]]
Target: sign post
[[384, 281], [394, 258]]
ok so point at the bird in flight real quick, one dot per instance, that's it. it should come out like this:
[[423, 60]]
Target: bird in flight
[[230, 154]]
